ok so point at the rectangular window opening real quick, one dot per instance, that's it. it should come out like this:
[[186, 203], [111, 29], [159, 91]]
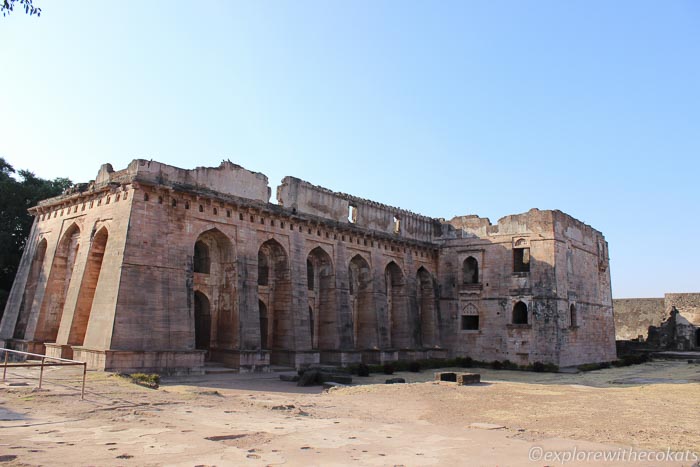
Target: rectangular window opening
[[352, 214], [470, 323], [521, 260]]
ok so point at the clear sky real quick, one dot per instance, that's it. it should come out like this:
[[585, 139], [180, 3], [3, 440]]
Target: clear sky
[[444, 108]]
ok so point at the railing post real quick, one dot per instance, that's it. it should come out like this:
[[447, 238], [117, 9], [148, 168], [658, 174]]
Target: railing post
[[82, 392], [41, 372], [4, 370], [43, 363]]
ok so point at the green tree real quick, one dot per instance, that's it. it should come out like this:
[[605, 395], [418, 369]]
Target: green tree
[[8, 6], [16, 196]]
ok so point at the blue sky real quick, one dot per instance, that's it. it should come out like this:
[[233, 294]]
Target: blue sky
[[444, 108]]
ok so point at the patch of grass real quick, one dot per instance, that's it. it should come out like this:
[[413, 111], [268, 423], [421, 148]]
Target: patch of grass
[[508, 365], [148, 380], [593, 366]]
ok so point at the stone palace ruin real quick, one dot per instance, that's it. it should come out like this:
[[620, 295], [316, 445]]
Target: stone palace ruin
[[156, 268]]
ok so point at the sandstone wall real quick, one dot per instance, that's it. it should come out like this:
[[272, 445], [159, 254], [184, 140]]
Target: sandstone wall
[[633, 316], [227, 179], [159, 256], [304, 197], [159, 268], [688, 304], [568, 266], [53, 313]]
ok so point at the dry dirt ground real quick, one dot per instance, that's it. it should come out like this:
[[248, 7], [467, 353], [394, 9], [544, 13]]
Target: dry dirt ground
[[511, 418]]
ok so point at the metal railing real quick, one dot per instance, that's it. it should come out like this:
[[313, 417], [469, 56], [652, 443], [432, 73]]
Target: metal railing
[[52, 361]]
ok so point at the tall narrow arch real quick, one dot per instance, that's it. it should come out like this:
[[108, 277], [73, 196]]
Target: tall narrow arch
[[276, 292], [573, 318], [520, 313], [321, 296], [214, 267], [364, 316], [263, 268], [202, 322], [312, 328], [470, 271], [202, 260], [264, 326], [33, 280], [396, 306], [57, 285], [426, 330], [88, 286]]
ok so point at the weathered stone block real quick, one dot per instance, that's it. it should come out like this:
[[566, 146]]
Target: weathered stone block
[[468, 378], [395, 381], [445, 376]]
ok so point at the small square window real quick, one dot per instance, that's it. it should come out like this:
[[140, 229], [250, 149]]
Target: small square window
[[470, 323]]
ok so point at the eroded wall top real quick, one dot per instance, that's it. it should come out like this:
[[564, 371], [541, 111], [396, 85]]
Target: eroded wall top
[[228, 178], [303, 197], [533, 221]]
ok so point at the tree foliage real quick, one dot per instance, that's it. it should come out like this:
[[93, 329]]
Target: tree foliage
[[8, 6], [16, 196]]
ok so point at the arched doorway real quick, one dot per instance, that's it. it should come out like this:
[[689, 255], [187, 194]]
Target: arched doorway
[[321, 296], [264, 325], [275, 289], [364, 316], [213, 267], [202, 322], [396, 306], [426, 298]]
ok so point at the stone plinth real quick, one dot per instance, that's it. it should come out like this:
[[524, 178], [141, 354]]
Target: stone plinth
[[387, 356], [341, 357], [124, 361], [411, 355], [245, 360], [295, 359], [59, 350]]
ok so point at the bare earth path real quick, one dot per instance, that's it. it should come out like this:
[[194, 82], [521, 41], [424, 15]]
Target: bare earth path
[[255, 419]]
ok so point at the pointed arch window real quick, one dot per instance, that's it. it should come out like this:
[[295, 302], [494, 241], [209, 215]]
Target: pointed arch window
[[520, 313]]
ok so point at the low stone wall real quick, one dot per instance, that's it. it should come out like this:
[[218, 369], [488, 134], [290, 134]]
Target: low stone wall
[[633, 316]]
